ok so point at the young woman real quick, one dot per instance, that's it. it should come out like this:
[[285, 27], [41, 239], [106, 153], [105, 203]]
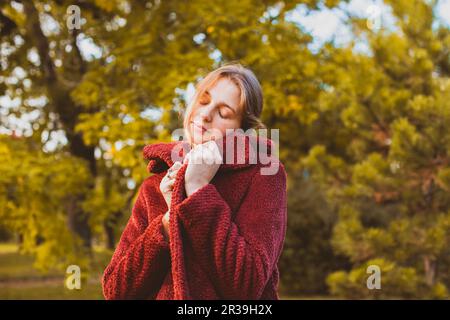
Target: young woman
[[202, 229]]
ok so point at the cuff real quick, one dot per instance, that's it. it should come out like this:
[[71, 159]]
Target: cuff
[[156, 229], [201, 207]]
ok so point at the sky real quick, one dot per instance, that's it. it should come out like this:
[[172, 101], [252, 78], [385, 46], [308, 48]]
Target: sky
[[326, 24], [323, 24]]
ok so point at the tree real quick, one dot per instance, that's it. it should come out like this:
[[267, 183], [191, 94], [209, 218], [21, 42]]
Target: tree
[[363, 135], [391, 179], [38, 193], [128, 89]]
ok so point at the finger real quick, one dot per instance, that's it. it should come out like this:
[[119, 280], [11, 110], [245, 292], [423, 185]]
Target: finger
[[168, 176], [187, 157], [212, 146], [171, 182], [172, 174], [197, 157], [217, 155], [166, 179], [167, 186], [169, 173], [177, 165], [210, 153]]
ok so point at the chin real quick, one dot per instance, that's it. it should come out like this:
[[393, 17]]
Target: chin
[[197, 139], [205, 137]]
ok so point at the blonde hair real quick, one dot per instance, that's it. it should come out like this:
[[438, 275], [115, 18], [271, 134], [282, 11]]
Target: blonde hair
[[251, 97]]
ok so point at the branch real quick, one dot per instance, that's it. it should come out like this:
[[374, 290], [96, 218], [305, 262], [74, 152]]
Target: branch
[[89, 5], [7, 26], [34, 30], [78, 56]]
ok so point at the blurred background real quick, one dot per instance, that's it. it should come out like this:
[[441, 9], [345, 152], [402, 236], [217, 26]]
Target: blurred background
[[360, 92]]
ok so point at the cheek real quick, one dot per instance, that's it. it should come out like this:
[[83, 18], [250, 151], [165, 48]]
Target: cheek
[[222, 125], [193, 115]]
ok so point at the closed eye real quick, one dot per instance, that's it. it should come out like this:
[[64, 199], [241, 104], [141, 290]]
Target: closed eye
[[224, 110]]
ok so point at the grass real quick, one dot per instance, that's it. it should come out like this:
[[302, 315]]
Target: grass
[[51, 292], [19, 280]]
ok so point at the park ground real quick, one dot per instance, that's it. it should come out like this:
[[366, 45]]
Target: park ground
[[19, 280]]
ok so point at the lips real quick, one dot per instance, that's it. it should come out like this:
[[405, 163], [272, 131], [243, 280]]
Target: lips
[[199, 127]]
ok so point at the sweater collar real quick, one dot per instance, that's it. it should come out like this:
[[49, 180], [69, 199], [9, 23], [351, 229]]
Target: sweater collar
[[248, 150]]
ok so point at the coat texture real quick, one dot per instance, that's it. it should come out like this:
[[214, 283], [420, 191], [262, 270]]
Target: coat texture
[[225, 239]]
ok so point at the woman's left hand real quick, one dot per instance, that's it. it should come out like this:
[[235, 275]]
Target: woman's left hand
[[203, 162]]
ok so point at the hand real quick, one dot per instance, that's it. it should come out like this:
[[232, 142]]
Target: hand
[[165, 223], [203, 162], [166, 184], [166, 187]]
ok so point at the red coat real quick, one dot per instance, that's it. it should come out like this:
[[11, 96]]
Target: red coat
[[225, 239]]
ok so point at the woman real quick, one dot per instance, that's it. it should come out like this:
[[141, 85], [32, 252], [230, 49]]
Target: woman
[[202, 229]]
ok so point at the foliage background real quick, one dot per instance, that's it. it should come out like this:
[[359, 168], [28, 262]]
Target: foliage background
[[364, 134]]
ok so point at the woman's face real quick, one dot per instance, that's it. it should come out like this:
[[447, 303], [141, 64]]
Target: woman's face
[[217, 110]]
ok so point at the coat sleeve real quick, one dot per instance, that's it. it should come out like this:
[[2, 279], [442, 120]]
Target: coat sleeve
[[141, 259], [240, 254]]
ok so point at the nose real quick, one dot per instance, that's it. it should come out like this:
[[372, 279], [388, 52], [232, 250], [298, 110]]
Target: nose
[[205, 114]]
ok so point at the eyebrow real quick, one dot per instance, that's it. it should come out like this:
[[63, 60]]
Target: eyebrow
[[221, 102]]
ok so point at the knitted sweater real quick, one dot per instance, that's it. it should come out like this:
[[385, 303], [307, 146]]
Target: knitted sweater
[[225, 239]]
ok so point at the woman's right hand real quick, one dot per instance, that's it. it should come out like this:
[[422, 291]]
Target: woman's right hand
[[166, 187], [166, 184]]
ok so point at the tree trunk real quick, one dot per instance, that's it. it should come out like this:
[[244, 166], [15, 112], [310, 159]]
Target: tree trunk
[[109, 225], [78, 222], [430, 270], [68, 111], [110, 238]]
